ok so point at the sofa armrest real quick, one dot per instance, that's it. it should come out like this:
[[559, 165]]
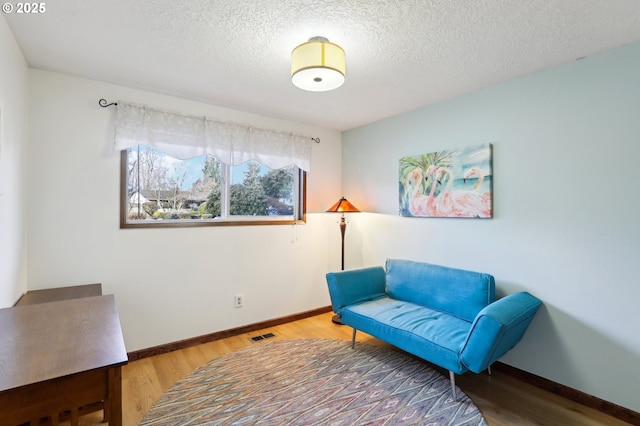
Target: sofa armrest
[[497, 328], [355, 285]]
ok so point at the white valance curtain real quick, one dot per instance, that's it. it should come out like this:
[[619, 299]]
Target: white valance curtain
[[183, 136]]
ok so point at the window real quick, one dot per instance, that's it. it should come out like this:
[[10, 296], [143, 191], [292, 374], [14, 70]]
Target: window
[[158, 190], [188, 170]]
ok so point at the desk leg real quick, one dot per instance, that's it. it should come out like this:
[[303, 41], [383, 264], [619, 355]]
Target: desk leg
[[75, 416], [113, 406]]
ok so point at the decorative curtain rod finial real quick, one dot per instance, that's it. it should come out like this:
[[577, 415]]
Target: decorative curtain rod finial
[[103, 103]]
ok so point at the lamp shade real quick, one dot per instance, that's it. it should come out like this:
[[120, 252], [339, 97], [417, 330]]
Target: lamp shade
[[343, 206], [318, 65]]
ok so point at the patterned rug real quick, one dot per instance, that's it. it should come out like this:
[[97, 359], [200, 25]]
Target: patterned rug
[[313, 382]]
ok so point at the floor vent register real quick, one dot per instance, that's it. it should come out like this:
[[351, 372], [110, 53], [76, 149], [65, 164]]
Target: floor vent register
[[262, 337]]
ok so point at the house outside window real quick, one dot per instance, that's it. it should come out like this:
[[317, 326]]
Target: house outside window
[[158, 190]]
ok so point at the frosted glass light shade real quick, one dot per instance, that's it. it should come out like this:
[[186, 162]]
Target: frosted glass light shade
[[318, 65]]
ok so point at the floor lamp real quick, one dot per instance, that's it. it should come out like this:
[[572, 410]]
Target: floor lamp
[[342, 206]]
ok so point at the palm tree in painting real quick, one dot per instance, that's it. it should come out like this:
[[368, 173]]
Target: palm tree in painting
[[421, 163]]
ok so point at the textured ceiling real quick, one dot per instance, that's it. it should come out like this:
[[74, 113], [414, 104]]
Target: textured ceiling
[[400, 54]]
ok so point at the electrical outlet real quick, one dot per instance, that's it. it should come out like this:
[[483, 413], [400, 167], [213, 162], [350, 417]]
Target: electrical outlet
[[238, 300]]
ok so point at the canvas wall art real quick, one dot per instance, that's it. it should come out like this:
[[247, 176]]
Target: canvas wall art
[[451, 183]]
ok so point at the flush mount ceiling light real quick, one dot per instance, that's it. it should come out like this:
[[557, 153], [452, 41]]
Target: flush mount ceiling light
[[318, 65]]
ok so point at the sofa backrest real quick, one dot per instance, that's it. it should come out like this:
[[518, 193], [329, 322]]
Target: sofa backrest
[[455, 291]]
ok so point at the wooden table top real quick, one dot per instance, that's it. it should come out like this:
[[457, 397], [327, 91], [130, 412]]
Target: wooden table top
[[43, 341], [60, 293]]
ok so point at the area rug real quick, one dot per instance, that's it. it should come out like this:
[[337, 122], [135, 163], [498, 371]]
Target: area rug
[[313, 382]]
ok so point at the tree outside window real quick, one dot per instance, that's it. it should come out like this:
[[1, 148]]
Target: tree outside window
[[164, 191]]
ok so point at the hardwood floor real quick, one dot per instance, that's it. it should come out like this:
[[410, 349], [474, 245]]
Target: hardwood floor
[[504, 401]]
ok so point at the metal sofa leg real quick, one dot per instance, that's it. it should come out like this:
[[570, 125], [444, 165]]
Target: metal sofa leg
[[489, 370], [452, 378], [353, 339]]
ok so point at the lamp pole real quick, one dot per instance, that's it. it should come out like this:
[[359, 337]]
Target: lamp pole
[[343, 228]]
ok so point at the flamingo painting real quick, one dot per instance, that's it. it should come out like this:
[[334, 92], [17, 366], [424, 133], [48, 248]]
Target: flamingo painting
[[452, 183]]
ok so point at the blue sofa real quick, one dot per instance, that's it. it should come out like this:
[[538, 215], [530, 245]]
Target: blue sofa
[[443, 315]]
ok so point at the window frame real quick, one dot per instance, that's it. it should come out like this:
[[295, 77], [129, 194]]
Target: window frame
[[300, 216]]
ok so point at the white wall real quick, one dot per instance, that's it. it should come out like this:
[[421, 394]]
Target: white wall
[[13, 157], [566, 204], [169, 284]]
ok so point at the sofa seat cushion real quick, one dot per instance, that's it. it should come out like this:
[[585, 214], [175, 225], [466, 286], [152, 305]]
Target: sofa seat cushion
[[427, 333]]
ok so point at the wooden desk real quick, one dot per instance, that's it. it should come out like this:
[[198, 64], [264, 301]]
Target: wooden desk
[[59, 356], [59, 293]]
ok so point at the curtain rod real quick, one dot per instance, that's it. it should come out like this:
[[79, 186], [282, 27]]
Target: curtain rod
[[104, 104]]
